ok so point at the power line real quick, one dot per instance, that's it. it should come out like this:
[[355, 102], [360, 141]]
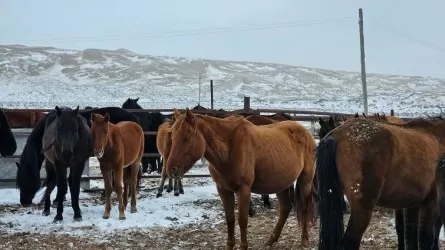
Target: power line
[[409, 37], [194, 32]]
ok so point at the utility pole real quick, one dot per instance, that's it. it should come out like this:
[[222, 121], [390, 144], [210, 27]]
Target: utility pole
[[362, 60], [199, 89]]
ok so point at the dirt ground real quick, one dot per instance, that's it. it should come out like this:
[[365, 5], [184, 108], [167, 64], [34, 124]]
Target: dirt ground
[[207, 235]]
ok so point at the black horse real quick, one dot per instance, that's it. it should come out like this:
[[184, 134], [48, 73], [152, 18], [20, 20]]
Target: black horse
[[8, 144], [150, 121], [67, 143], [32, 155]]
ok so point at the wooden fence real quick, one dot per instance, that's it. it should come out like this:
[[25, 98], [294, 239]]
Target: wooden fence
[[296, 115]]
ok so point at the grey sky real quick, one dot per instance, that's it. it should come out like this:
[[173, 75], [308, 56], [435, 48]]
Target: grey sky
[[112, 24]]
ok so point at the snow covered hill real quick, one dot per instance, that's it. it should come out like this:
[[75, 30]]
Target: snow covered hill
[[41, 77]]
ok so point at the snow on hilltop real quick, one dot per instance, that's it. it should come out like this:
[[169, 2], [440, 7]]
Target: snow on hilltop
[[41, 77]]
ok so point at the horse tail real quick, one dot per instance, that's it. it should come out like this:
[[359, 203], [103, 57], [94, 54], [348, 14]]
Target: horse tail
[[331, 195], [440, 185]]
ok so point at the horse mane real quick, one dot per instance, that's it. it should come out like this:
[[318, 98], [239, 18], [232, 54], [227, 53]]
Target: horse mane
[[28, 172], [8, 143]]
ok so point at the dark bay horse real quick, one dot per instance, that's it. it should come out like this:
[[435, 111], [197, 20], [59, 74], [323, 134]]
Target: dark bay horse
[[8, 144], [32, 156], [150, 121], [119, 148], [245, 158], [375, 163], [67, 143], [24, 118]]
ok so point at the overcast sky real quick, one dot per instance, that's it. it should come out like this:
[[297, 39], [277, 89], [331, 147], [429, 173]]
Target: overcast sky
[[401, 37]]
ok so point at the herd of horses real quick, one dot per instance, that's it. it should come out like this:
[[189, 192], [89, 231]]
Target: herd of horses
[[371, 160]]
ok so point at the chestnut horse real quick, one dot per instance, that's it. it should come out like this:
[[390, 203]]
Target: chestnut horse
[[265, 120], [24, 118], [118, 146], [375, 163], [245, 158], [163, 142]]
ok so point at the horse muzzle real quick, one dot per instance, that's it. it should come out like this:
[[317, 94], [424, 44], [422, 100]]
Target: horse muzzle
[[99, 153]]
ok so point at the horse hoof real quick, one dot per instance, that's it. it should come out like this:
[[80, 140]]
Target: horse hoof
[[78, 218], [176, 194], [158, 195], [46, 213], [57, 220], [268, 205], [181, 191], [106, 217], [168, 190], [122, 218], [134, 210]]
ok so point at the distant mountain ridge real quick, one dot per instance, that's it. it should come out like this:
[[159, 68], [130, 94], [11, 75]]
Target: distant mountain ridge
[[41, 77]]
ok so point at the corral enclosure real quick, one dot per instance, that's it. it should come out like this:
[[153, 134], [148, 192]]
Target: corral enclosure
[[194, 220]]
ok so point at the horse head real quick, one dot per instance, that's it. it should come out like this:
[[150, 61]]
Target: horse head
[[67, 131], [99, 130], [131, 104], [188, 145]]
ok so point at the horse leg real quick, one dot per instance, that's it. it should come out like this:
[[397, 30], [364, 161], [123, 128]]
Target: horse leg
[[170, 185], [266, 200], [144, 164], [118, 175], [243, 196], [51, 184], [305, 200], [181, 188], [175, 187], [133, 185], [285, 206], [437, 227], [74, 183], [251, 210], [160, 167], [162, 183], [126, 186], [228, 201], [61, 190], [411, 220], [427, 220], [108, 176], [400, 229]]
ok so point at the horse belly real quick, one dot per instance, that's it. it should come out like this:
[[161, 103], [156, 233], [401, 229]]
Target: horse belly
[[274, 179]]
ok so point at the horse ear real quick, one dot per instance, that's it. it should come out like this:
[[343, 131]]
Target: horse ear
[[331, 121], [58, 111], [356, 115], [189, 116], [76, 111], [136, 100], [107, 117], [176, 114]]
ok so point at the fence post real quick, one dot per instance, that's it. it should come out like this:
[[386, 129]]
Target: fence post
[[211, 94], [392, 112], [85, 184], [246, 103]]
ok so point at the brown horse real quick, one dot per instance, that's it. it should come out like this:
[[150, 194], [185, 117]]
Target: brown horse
[[245, 158], [118, 146], [163, 142], [265, 120], [376, 163], [23, 118]]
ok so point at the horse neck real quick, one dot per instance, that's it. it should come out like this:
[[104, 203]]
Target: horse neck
[[216, 133]]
